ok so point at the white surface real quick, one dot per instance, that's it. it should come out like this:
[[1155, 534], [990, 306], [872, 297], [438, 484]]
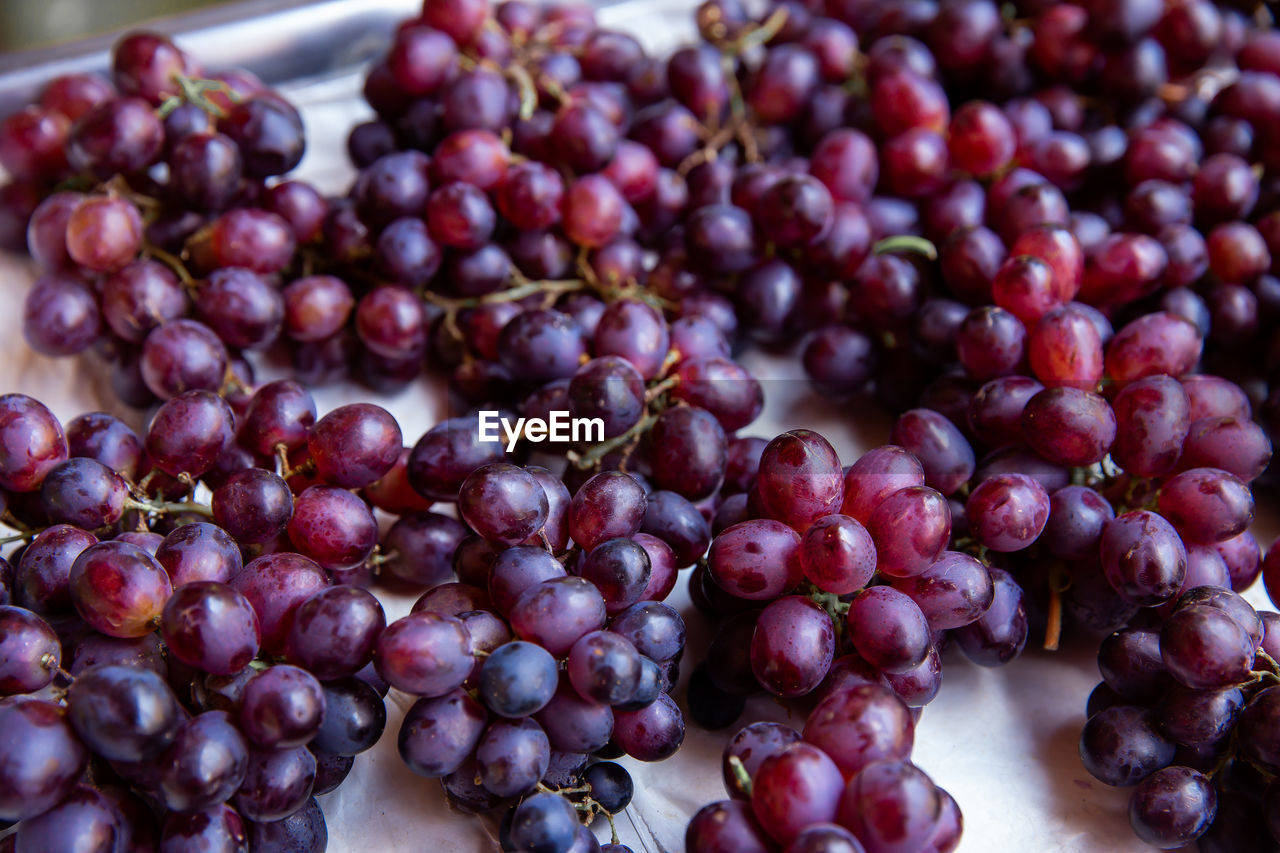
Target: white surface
[[1003, 741]]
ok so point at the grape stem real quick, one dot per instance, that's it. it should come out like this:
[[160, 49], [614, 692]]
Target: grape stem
[[906, 243], [194, 90], [1059, 582], [162, 507], [740, 773], [592, 457], [174, 263]]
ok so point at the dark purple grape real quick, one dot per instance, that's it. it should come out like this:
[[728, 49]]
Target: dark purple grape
[[1121, 746], [204, 765], [123, 713], [354, 717], [30, 653], [210, 626]]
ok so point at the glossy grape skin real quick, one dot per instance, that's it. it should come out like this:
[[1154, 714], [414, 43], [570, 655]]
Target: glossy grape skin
[[30, 653], [1077, 517], [1172, 807], [333, 526], [33, 442], [910, 528], [210, 626], [756, 560], [439, 733], [875, 476], [123, 713], [1120, 746], [620, 569], [557, 612], [512, 756], [518, 679], [44, 759], [42, 577], [116, 137], [860, 725], [891, 805], [1008, 512], [1066, 424], [334, 632], [1204, 648], [119, 589], [204, 765], [575, 724], [792, 646], [652, 733], [1198, 717], [427, 654], [276, 585], [838, 554], [1000, 633], [1238, 446], [354, 717], [199, 552], [1206, 505], [60, 316], [218, 829], [276, 784], [1152, 420], [609, 505], [1143, 557], [253, 505], [727, 826], [678, 523], [800, 478], [446, 454], [86, 819], [1153, 344], [943, 452], [189, 432], [795, 787]]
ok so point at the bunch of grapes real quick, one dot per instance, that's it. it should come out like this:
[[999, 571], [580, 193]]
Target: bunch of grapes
[[180, 673], [845, 785]]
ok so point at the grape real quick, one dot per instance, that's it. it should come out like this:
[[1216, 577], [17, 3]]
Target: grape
[[1206, 505], [277, 784], [1172, 807], [888, 629], [503, 503], [211, 626], [1008, 512], [333, 526], [517, 679], [838, 554], [119, 589], [943, 453], [83, 492], [1195, 717], [30, 654], [891, 805], [543, 823], [33, 442], [725, 826], [354, 717], [792, 646], [953, 592], [427, 654], [303, 830], [1204, 648], [556, 613], [1121, 746], [86, 818], [43, 758], [218, 828], [757, 560], [573, 723], [860, 725], [1067, 424], [199, 552], [277, 585], [999, 634], [797, 786], [652, 733], [116, 137], [335, 631], [910, 528], [512, 756], [204, 765]]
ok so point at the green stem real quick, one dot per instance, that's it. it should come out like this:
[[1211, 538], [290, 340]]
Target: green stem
[[593, 456], [740, 774], [906, 243], [163, 507]]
